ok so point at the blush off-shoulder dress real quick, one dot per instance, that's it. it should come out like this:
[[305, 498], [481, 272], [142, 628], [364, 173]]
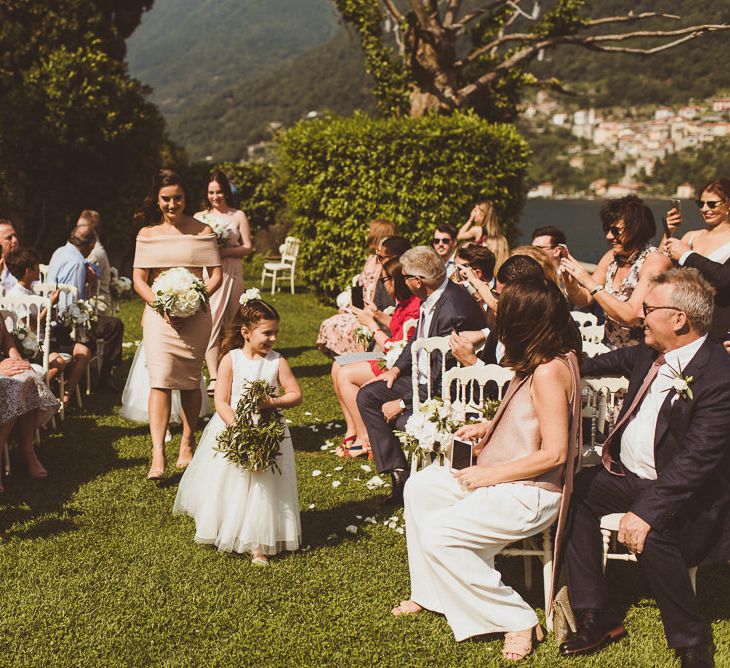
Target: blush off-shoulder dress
[[175, 354]]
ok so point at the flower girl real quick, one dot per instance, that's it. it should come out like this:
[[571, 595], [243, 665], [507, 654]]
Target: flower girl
[[236, 509]]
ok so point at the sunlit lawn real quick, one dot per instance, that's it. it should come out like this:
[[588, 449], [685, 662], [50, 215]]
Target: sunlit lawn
[[97, 571]]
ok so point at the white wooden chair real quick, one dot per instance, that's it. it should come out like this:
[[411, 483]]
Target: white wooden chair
[[584, 319], [602, 399], [471, 385], [43, 268], [433, 344], [287, 264], [70, 294], [592, 349], [592, 333], [609, 530]]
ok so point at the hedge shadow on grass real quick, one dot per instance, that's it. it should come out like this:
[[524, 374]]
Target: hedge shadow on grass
[[84, 452], [313, 371]]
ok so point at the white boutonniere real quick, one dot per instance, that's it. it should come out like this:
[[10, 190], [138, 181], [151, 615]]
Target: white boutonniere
[[681, 383]]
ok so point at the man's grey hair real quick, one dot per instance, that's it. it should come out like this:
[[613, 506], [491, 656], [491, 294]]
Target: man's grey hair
[[424, 262], [691, 294]]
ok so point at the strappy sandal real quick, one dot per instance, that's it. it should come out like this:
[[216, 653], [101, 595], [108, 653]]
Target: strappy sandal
[[156, 474], [341, 450], [182, 464], [519, 645], [260, 560], [360, 450]]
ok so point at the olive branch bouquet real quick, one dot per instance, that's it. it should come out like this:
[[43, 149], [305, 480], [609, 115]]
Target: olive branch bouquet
[[252, 441]]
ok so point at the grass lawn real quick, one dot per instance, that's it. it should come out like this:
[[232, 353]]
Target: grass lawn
[[97, 571]]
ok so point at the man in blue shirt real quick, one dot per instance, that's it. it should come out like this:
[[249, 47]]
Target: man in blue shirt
[[8, 242], [69, 266]]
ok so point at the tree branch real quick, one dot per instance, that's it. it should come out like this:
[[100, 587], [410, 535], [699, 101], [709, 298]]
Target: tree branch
[[452, 11], [629, 18], [495, 43], [646, 52], [394, 11], [475, 14]]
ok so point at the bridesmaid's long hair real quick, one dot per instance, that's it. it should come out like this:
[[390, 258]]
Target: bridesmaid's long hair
[[250, 313], [225, 185], [149, 213]]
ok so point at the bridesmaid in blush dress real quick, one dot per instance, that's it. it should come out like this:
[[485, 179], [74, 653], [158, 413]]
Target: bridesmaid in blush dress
[[235, 246], [175, 347]]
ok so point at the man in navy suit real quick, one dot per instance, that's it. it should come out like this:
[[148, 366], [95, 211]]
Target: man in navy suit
[[666, 465], [445, 307]]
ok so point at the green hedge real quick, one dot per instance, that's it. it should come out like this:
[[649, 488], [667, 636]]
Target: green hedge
[[343, 172]]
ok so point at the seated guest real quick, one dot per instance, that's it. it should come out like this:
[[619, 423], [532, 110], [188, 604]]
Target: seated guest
[[24, 265], [389, 248], [458, 521], [621, 279], [445, 306], [8, 242], [444, 243], [475, 267], [337, 333], [347, 379], [100, 260], [483, 228], [665, 464], [464, 344], [26, 403], [709, 250], [549, 238], [543, 259], [69, 265]]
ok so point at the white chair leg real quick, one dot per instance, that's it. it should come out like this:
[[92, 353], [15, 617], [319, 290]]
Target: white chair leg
[[547, 572], [606, 541], [263, 276], [88, 379], [274, 276], [6, 459], [291, 274], [693, 577]]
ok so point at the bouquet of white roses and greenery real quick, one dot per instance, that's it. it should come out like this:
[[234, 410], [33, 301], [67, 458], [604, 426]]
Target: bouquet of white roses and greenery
[[252, 441], [80, 318], [363, 336], [179, 293], [119, 286], [219, 227], [393, 350], [26, 341]]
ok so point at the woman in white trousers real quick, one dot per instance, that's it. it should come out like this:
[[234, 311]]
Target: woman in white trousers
[[458, 521]]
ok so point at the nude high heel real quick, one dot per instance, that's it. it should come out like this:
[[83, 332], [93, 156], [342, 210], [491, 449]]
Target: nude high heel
[[156, 474]]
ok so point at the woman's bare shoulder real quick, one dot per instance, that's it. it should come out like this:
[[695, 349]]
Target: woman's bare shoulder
[[552, 373], [655, 262]]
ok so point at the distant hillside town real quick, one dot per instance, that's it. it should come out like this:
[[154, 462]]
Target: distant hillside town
[[636, 143]]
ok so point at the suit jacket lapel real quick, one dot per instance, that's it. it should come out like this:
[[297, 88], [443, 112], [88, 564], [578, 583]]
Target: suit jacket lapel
[[692, 369], [437, 310]]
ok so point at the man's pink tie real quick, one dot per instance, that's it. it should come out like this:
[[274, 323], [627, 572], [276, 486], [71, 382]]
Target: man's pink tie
[[650, 376]]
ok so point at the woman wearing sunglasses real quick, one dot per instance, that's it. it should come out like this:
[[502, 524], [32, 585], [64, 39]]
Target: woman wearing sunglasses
[[622, 277], [709, 249]]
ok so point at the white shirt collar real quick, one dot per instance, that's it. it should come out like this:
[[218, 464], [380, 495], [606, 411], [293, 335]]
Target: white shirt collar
[[679, 358]]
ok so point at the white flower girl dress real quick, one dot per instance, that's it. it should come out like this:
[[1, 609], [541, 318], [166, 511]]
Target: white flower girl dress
[[239, 510], [136, 393]]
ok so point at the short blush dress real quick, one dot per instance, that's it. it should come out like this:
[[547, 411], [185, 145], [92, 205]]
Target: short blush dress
[[175, 354]]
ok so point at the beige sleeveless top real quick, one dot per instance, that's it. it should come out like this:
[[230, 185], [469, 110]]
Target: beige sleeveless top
[[177, 250], [515, 433]]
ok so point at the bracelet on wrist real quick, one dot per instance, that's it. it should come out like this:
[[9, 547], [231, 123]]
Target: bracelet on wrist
[[596, 290]]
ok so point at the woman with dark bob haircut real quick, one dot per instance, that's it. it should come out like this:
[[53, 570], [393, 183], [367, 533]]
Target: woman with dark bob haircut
[[621, 279], [457, 522]]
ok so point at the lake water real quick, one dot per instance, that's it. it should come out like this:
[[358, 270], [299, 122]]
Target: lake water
[[580, 221]]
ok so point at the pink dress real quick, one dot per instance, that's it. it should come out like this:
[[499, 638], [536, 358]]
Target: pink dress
[[337, 333], [224, 301]]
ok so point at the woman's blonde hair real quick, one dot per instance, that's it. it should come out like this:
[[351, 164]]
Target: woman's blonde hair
[[542, 258], [379, 229], [491, 229]]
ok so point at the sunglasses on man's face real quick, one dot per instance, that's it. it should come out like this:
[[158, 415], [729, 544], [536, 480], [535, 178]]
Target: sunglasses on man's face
[[441, 241], [711, 203]]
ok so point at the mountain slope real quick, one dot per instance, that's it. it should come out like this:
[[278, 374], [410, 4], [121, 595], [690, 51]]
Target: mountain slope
[[189, 49], [329, 77]]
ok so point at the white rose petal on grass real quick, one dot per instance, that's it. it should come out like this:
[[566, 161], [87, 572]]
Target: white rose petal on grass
[[324, 447], [351, 528], [332, 536], [371, 520], [339, 468], [316, 472], [375, 482], [400, 530], [336, 483], [308, 413], [366, 467], [358, 517], [288, 421], [312, 505]]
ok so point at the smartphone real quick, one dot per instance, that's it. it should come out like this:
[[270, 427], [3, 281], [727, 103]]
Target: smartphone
[[563, 250], [665, 225], [357, 299], [677, 204], [461, 454]]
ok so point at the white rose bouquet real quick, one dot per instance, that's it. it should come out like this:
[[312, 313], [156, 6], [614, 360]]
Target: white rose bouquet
[[80, 317], [219, 227], [393, 350], [179, 293], [120, 286], [26, 341], [363, 336]]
